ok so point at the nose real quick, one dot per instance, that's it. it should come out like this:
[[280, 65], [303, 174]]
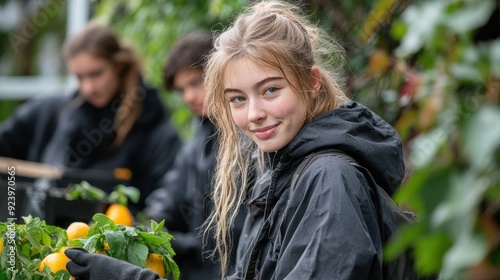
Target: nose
[[256, 111], [86, 86], [189, 95]]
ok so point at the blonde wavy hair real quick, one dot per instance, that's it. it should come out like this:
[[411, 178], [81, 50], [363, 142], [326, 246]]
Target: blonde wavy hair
[[277, 35], [100, 41]]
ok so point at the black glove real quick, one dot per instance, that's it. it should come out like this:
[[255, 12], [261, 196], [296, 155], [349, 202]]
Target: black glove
[[85, 265]]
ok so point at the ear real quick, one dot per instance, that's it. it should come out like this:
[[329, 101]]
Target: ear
[[315, 80]]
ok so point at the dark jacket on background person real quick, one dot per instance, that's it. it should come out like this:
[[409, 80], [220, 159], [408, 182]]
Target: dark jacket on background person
[[184, 201], [328, 227], [56, 130]]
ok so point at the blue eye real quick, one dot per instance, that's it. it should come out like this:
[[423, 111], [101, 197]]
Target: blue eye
[[271, 90], [236, 99]]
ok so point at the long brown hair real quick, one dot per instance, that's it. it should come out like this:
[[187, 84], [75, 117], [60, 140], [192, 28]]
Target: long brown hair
[[277, 35], [100, 41]]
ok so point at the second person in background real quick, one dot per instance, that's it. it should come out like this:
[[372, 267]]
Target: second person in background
[[184, 199]]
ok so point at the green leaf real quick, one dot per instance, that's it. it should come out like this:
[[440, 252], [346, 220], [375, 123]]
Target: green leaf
[[494, 58], [482, 137], [429, 251], [458, 209], [425, 147], [47, 241], [131, 231], [155, 227], [101, 221], [466, 72], [398, 244], [90, 244], [470, 16], [172, 267], [137, 254], [466, 252], [117, 243], [422, 22], [84, 190], [131, 192], [34, 237], [152, 239], [62, 275], [122, 193]]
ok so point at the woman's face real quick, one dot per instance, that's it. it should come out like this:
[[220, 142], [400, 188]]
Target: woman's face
[[98, 78], [263, 104]]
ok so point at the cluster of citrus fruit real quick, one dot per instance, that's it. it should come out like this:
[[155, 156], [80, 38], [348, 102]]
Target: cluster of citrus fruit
[[120, 215], [57, 261]]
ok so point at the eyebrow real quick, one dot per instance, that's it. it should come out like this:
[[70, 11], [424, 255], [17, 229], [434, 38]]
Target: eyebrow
[[257, 85]]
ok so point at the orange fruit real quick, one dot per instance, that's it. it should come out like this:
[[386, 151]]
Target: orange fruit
[[77, 230], [55, 261], [1, 246], [120, 215], [63, 249], [155, 263], [105, 249]]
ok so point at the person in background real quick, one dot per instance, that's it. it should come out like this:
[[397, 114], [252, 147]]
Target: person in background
[[113, 120], [184, 198]]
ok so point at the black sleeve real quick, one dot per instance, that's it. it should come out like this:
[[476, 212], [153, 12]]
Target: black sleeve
[[165, 202], [156, 159], [332, 233], [25, 134], [16, 132]]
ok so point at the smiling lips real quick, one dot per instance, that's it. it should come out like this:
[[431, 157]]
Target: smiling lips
[[265, 132]]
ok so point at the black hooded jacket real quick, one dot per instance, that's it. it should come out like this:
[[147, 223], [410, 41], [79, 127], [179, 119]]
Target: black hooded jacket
[[328, 227], [59, 131]]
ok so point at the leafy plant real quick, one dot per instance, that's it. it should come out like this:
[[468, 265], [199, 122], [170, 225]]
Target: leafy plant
[[25, 245], [120, 194], [131, 244], [84, 190], [443, 78]]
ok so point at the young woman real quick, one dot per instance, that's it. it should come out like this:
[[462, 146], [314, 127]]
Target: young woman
[[113, 120], [271, 92]]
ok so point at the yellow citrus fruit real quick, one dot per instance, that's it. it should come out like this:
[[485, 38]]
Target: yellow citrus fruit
[[120, 215], [1, 245], [63, 249], [55, 261], [105, 249], [77, 230], [155, 263]]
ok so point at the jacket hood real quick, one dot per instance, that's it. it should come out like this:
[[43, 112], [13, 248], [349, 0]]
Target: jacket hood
[[358, 132]]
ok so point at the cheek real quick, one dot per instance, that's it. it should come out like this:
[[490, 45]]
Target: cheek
[[283, 110], [109, 82], [240, 118], [201, 95]]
